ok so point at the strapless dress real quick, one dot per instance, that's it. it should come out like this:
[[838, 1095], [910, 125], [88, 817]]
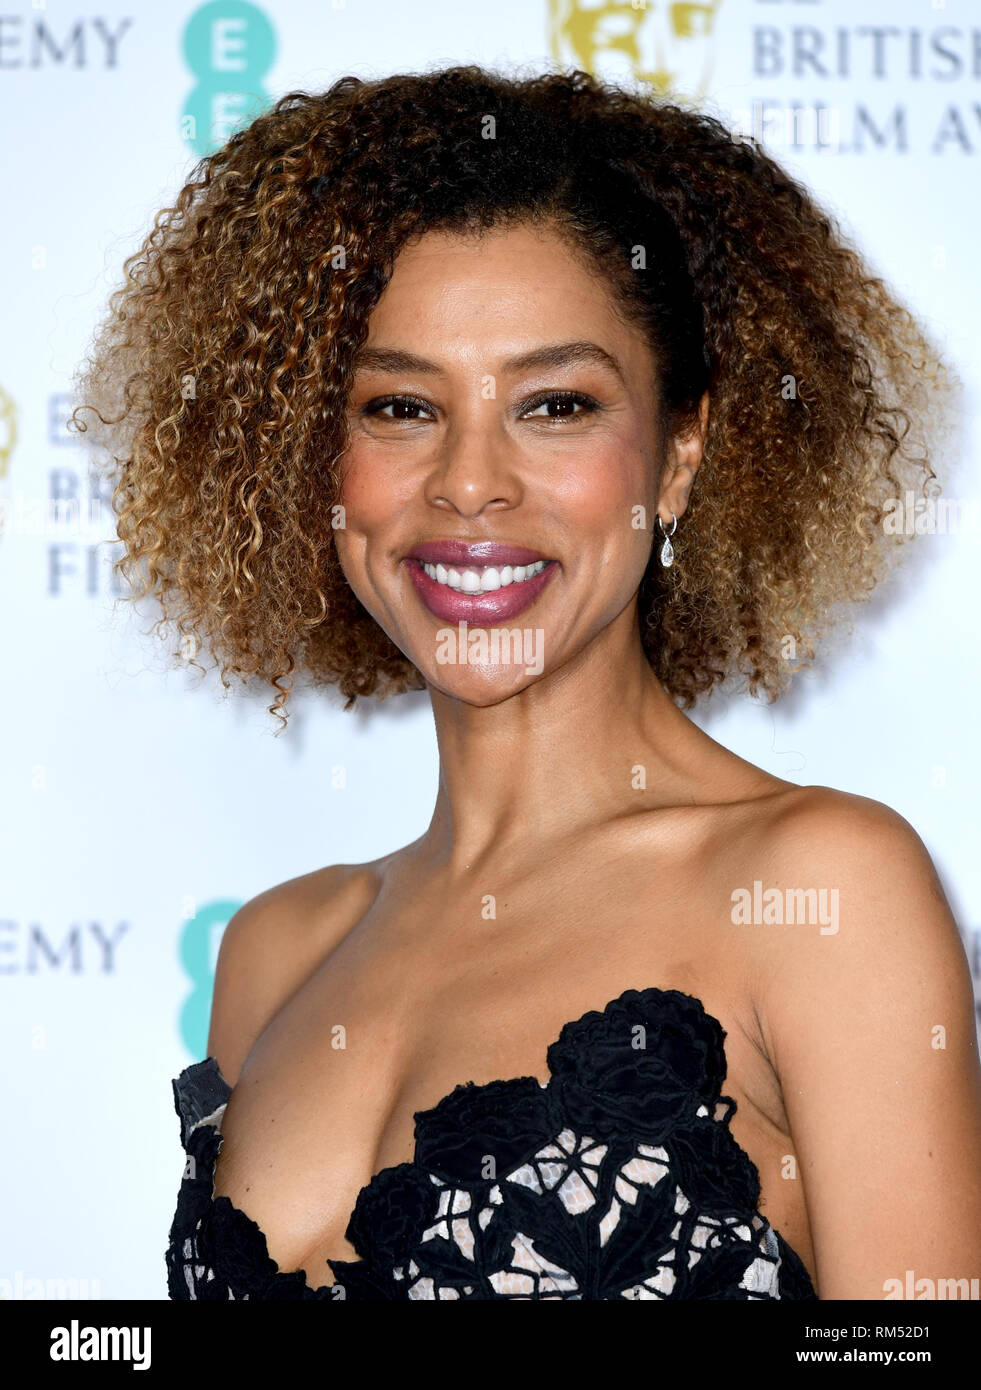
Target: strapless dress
[[617, 1179]]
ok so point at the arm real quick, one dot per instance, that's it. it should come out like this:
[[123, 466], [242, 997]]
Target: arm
[[872, 1033]]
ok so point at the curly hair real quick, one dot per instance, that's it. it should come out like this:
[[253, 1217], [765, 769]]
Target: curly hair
[[220, 375]]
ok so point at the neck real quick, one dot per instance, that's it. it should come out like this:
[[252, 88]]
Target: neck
[[563, 754]]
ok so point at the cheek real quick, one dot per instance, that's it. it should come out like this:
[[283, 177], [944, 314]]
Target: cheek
[[373, 503], [369, 492], [612, 497]]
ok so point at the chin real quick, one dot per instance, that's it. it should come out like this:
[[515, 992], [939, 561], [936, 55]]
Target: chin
[[481, 686]]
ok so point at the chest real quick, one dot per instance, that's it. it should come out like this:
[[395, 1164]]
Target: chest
[[444, 991]]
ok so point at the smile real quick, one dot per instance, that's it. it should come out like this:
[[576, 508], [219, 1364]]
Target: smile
[[481, 583], [484, 580]]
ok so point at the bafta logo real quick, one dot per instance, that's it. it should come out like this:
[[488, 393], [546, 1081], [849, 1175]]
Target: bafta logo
[[8, 442], [8, 430], [664, 44]]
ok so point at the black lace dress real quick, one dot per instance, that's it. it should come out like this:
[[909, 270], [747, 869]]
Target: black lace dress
[[619, 1178]]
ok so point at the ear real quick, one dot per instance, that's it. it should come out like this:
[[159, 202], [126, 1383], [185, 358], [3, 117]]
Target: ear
[[684, 455]]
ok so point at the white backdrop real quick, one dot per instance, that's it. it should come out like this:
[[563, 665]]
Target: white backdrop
[[140, 807]]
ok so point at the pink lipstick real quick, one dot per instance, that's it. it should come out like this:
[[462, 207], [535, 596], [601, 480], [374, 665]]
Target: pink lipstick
[[478, 582]]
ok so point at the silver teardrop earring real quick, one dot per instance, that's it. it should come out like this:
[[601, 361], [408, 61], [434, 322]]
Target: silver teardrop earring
[[667, 549]]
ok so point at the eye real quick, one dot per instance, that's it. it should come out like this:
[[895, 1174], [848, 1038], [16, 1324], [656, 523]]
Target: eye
[[559, 405], [402, 408]]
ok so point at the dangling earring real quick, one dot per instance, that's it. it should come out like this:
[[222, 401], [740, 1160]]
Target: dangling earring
[[667, 549]]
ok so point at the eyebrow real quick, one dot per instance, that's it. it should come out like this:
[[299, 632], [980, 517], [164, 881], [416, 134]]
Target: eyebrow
[[551, 355]]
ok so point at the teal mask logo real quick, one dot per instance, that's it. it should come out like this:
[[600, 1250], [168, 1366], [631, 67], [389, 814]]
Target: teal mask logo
[[230, 46], [198, 953]]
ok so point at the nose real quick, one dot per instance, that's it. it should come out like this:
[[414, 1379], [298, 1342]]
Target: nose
[[474, 469]]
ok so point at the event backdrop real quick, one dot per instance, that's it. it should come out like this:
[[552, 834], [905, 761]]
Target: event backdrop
[[140, 806]]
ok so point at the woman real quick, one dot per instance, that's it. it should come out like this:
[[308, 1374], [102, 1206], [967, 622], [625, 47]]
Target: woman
[[567, 407]]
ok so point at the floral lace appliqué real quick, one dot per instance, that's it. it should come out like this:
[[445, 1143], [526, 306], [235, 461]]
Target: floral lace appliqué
[[618, 1179]]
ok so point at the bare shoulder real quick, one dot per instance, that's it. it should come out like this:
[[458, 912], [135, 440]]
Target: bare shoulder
[[874, 858], [272, 945], [881, 936], [867, 1012], [864, 862], [831, 895]]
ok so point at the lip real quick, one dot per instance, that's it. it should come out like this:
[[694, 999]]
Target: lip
[[478, 610], [457, 553]]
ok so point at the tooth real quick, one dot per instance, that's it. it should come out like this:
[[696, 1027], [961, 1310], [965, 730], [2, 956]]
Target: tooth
[[483, 581]]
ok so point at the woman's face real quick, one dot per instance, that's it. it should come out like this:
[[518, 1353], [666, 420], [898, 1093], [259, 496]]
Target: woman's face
[[501, 481]]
